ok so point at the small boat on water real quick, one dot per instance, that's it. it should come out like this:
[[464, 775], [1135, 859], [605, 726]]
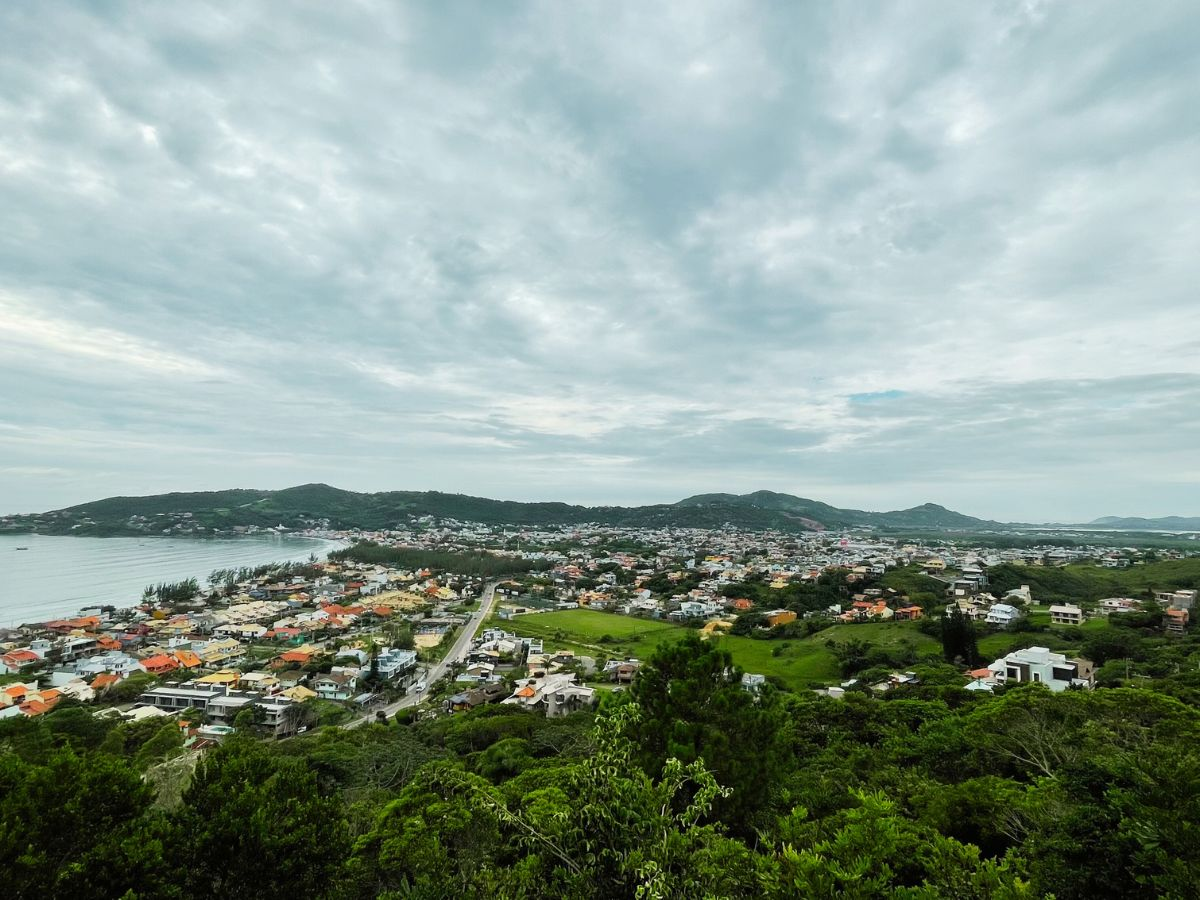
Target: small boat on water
[[22, 548]]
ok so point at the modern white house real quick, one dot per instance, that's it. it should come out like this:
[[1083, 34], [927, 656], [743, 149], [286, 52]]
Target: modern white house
[[552, 695], [1118, 604], [392, 662], [753, 682], [113, 661], [1002, 614], [1066, 614], [1041, 665]]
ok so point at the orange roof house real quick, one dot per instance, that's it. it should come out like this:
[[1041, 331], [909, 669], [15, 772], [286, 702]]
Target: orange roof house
[[909, 612], [104, 680], [780, 617], [188, 659], [160, 664], [18, 659], [16, 692], [291, 656]]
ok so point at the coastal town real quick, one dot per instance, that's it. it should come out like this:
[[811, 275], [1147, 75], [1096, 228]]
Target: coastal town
[[534, 618]]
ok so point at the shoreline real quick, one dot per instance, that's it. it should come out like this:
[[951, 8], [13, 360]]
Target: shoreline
[[57, 578]]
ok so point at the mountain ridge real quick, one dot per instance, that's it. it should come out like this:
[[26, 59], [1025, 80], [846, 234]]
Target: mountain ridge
[[307, 504]]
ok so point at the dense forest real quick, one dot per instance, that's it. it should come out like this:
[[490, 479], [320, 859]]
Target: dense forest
[[687, 785], [488, 565]]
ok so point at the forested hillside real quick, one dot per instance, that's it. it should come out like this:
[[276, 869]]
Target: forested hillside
[[311, 504]]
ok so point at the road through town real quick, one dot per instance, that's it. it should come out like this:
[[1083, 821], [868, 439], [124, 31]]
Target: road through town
[[457, 651]]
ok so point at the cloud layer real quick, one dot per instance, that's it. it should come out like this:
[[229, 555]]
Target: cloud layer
[[604, 253]]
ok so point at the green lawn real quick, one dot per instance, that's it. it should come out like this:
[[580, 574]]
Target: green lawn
[[993, 646], [799, 663], [589, 632], [885, 634]]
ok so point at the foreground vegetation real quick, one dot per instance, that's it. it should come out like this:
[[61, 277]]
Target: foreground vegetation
[[685, 786]]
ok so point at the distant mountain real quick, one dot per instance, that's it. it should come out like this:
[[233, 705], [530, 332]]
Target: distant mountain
[[928, 515], [313, 504], [1136, 523]]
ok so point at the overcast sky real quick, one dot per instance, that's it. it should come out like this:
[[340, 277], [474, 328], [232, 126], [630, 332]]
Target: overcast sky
[[872, 254]]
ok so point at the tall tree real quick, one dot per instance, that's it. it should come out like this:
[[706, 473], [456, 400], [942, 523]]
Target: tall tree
[[254, 824], [959, 642], [694, 707]]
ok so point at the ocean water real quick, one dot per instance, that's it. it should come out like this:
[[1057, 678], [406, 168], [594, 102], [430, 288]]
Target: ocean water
[[56, 576]]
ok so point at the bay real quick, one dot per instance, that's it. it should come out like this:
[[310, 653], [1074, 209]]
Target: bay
[[57, 576]]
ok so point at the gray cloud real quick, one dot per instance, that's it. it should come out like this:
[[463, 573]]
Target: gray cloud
[[605, 254]]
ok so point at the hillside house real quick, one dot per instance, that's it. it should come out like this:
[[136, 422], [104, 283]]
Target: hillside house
[[1002, 614], [1066, 614], [1175, 621], [1118, 604], [1176, 599], [1041, 665], [552, 695], [1020, 596], [335, 686]]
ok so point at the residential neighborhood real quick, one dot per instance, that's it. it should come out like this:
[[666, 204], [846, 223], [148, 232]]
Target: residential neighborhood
[[319, 637]]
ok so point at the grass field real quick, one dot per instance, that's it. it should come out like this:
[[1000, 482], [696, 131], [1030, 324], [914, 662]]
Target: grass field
[[993, 646], [799, 662]]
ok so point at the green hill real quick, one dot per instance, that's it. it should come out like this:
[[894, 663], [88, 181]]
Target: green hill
[[310, 504]]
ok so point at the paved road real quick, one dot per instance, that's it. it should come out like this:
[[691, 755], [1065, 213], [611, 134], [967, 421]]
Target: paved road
[[456, 652]]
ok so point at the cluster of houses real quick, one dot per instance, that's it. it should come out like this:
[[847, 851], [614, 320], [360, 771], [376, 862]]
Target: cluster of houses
[[548, 682], [221, 695], [204, 641]]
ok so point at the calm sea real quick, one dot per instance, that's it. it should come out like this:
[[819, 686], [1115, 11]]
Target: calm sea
[[57, 576]]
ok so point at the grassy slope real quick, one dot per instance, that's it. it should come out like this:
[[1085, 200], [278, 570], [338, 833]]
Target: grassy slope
[[800, 663], [1087, 582]]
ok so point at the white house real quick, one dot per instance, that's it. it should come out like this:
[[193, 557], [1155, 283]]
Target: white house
[[1021, 595], [1039, 664], [553, 695], [1002, 614], [392, 662], [1118, 604], [335, 686], [1173, 599], [113, 661], [1066, 614], [693, 609]]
